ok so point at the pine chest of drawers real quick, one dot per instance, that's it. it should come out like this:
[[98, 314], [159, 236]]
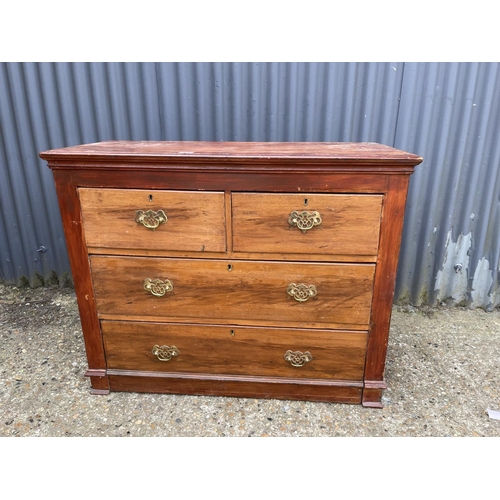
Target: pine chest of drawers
[[261, 270]]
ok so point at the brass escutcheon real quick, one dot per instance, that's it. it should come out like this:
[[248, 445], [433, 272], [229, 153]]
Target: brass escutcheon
[[297, 358], [150, 218], [158, 287], [304, 220], [301, 292], [165, 352]]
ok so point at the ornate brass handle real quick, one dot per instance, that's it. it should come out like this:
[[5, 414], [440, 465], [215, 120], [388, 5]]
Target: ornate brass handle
[[304, 220], [150, 218], [297, 358], [158, 287], [301, 292], [165, 352]]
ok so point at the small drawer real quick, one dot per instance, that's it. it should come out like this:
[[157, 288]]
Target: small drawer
[[153, 220], [254, 292], [233, 350], [333, 224]]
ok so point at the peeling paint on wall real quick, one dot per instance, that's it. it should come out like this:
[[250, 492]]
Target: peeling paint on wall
[[450, 115], [451, 280], [483, 279], [495, 293]]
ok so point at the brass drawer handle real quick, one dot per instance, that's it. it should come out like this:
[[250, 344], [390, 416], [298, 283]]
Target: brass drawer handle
[[304, 220], [301, 292], [158, 287], [297, 358], [164, 352], [150, 218]]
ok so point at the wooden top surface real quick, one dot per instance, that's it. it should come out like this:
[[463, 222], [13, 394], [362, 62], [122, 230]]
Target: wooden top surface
[[235, 152]]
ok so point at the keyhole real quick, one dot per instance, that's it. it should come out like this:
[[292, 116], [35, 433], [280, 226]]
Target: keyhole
[[231, 333], [305, 201], [150, 197], [230, 267]]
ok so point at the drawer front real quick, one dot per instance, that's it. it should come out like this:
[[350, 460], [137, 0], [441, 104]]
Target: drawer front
[[235, 350], [306, 223], [305, 295], [179, 220]]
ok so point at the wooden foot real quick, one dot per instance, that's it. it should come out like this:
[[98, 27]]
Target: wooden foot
[[99, 381], [372, 393]]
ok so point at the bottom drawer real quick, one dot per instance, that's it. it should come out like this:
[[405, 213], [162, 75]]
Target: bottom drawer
[[268, 352]]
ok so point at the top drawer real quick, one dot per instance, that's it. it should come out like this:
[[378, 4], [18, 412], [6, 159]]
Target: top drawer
[[184, 220], [334, 224]]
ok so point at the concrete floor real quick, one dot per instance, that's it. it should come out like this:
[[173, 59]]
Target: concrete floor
[[442, 375]]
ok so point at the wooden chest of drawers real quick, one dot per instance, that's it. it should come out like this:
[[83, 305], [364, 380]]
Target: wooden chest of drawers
[[241, 269]]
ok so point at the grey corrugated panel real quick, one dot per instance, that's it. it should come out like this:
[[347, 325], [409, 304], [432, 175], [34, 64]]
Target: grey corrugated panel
[[24, 191], [50, 105], [279, 101], [447, 112], [44, 106], [32, 213], [12, 260], [450, 115]]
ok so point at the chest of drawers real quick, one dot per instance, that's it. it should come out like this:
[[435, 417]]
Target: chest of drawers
[[261, 270]]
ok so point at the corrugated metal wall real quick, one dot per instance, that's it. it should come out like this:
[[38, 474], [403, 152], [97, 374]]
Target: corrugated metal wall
[[446, 112], [450, 114]]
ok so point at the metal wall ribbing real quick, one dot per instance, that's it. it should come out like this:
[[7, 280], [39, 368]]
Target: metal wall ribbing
[[449, 113]]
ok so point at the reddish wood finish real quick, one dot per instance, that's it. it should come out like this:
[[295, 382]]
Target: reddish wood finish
[[385, 279], [195, 220], [287, 168], [214, 180], [128, 154], [227, 291], [254, 388], [75, 241], [233, 350], [311, 257], [349, 223]]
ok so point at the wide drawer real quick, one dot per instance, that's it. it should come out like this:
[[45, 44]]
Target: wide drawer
[[179, 220], [276, 352], [302, 294], [334, 224]]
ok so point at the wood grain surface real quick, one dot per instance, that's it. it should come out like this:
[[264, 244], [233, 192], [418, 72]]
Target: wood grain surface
[[231, 254], [235, 386], [215, 290], [132, 152], [385, 280], [235, 350], [196, 220], [67, 196], [350, 223]]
